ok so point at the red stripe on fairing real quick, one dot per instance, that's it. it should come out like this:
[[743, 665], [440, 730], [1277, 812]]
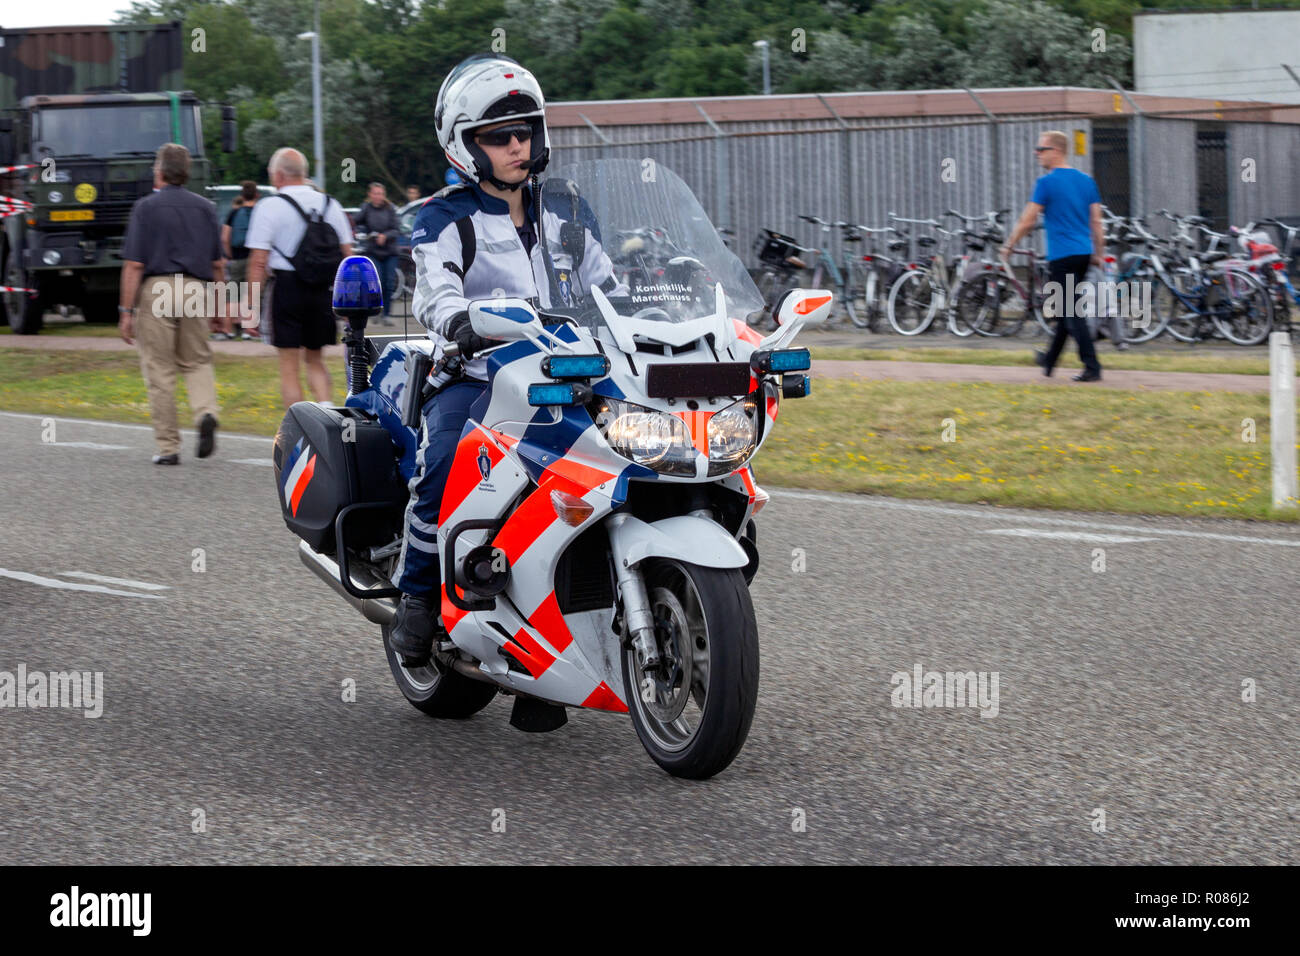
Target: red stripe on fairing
[[773, 406], [697, 423], [451, 614], [537, 513], [747, 476], [503, 438], [549, 622], [602, 698], [747, 334], [303, 481], [529, 653], [465, 476]]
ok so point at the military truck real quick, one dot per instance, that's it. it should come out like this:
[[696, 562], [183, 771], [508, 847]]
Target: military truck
[[85, 109]]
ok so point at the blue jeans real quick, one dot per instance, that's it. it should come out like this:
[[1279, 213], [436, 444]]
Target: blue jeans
[[387, 278], [418, 570]]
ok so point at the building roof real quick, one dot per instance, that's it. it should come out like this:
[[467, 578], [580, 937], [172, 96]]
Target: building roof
[[916, 104]]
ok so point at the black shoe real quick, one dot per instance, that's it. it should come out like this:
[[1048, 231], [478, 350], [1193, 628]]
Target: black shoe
[[1041, 359], [166, 459], [1087, 377], [207, 436], [411, 636], [1121, 346]]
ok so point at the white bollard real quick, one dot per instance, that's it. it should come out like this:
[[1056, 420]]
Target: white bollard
[[1281, 368]]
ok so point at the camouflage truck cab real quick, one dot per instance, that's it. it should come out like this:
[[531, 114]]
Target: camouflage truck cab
[[86, 108]]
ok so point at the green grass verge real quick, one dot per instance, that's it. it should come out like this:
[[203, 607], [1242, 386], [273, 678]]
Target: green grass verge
[[1175, 453], [98, 330], [109, 386], [1134, 359]]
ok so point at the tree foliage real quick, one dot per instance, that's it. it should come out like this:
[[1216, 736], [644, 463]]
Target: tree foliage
[[384, 60]]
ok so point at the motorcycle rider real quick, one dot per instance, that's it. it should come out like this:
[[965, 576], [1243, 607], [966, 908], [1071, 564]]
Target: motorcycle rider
[[476, 239]]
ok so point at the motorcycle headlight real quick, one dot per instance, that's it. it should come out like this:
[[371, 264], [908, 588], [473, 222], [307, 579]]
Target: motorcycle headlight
[[733, 433], [648, 437]]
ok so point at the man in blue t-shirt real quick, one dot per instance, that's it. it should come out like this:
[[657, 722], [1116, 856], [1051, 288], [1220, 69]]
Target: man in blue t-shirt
[[1071, 209]]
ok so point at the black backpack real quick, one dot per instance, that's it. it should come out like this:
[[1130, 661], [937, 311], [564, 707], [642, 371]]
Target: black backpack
[[318, 255]]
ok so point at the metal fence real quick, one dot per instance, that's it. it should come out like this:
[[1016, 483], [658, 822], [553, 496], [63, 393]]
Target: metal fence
[[751, 175]]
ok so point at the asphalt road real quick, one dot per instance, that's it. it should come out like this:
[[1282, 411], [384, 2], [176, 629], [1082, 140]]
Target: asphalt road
[[1118, 690]]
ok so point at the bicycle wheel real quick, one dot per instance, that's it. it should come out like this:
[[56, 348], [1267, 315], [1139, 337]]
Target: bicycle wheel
[[977, 304], [1140, 321], [1181, 320], [957, 321], [858, 297], [1242, 309], [770, 288], [913, 301]]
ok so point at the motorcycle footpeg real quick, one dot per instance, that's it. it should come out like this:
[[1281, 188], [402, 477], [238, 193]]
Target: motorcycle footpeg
[[534, 716], [415, 661]]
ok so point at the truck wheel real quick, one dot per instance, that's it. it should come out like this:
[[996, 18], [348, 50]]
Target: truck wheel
[[25, 313]]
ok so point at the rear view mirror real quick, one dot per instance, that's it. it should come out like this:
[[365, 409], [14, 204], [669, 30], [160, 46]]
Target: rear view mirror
[[505, 319], [804, 307]]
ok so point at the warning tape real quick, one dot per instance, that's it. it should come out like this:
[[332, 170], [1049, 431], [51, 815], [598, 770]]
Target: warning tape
[[16, 169], [14, 288]]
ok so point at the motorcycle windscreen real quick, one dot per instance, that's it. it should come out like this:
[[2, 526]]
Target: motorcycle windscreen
[[664, 253]]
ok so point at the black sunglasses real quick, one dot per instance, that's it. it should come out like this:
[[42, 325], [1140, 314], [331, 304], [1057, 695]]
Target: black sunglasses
[[1043, 149], [501, 137]]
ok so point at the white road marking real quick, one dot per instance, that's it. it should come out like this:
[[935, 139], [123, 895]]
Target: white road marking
[[1067, 535], [125, 582], [869, 502], [253, 461], [85, 444], [69, 586], [225, 436]]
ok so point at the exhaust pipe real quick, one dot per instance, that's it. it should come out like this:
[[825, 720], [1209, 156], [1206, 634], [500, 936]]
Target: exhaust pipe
[[376, 610]]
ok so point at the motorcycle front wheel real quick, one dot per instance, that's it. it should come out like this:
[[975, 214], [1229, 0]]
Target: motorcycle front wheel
[[692, 713]]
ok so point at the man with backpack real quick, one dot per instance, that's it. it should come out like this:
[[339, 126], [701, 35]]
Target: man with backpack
[[301, 235], [234, 235]]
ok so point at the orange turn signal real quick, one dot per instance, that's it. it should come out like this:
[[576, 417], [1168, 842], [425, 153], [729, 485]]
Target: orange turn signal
[[570, 509]]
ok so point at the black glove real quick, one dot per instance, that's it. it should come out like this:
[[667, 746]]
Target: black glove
[[466, 338]]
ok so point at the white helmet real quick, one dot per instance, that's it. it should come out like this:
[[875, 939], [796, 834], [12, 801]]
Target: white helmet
[[483, 89]]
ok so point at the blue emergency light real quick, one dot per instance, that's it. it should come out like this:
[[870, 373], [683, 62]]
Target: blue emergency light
[[779, 361], [357, 289], [559, 393], [575, 366]]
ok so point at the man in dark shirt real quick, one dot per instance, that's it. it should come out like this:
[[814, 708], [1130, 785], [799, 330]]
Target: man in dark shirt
[[170, 259]]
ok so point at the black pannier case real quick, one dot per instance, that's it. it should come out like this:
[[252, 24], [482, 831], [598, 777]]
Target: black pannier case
[[327, 458]]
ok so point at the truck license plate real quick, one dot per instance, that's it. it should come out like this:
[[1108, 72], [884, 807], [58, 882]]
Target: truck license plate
[[71, 215]]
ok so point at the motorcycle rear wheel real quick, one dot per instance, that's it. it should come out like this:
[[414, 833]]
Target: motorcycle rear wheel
[[437, 690], [693, 714]]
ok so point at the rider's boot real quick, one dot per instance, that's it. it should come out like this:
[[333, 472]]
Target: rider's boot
[[416, 622]]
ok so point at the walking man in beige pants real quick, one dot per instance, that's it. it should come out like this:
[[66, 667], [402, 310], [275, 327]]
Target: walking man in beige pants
[[171, 257]]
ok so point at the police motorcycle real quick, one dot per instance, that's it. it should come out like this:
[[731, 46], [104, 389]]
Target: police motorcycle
[[596, 534]]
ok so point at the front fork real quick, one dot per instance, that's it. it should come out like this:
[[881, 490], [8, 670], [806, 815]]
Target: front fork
[[636, 602]]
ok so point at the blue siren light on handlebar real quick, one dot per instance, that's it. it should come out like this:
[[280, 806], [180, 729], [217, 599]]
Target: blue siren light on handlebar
[[357, 289], [781, 360], [575, 366]]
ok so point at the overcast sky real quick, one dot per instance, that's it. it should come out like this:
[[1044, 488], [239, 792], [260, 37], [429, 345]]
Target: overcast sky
[[63, 13]]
